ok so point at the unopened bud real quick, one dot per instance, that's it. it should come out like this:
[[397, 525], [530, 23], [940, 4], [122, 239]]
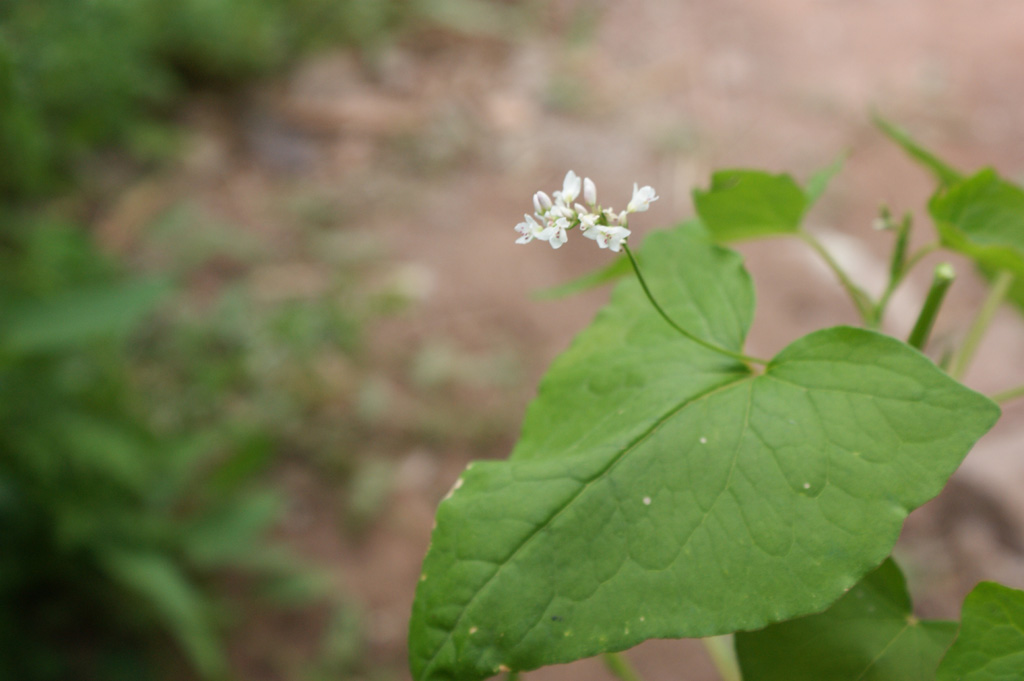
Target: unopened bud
[[589, 191], [542, 202]]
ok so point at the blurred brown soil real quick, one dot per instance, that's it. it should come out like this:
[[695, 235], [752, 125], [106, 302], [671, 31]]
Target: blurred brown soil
[[435, 147]]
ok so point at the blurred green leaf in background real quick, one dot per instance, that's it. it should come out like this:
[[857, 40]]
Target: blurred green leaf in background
[[109, 533]]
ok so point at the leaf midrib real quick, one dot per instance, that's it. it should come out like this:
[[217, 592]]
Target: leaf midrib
[[614, 460]]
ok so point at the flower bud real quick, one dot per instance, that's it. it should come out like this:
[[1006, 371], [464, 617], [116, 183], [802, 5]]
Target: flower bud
[[541, 202], [589, 191], [571, 187]]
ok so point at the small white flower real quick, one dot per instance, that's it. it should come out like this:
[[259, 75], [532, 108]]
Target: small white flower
[[542, 203], [641, 200], [571, 187], [611, 217], [616, 237], [589, 191], [608, 236], [560, 210], [558, 235], [531, 229]]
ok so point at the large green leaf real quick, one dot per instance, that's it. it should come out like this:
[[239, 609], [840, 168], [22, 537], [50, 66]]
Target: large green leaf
[[990, 646], [870, 634], [745, 204], [662, 490], [983, 217]]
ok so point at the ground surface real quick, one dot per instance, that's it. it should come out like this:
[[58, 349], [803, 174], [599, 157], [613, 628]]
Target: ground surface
[[432, 150]]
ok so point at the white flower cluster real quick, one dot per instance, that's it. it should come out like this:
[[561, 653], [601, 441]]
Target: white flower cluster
[[553, 218]]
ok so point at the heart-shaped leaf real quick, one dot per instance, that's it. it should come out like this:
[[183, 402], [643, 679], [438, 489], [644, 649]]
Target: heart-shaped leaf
[[990, 646], [983, 217], [662, 490], [745, 204], [870, 634]]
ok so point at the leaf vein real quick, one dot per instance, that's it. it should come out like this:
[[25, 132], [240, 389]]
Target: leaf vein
[[583, 488]]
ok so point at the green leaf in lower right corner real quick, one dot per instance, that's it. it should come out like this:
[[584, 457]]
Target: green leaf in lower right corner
[[990, 646], [870, 634]]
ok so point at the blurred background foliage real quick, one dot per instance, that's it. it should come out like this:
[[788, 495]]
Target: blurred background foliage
[[137, 423], [76, 76]]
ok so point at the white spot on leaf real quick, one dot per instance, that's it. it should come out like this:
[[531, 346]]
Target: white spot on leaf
[[458, 484], [647, 501]]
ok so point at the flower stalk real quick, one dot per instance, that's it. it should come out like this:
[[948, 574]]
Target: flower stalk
[[942, 279], [664, 315]]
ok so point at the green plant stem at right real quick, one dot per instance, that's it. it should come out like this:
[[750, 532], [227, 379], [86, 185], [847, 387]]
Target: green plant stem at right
[[620, 667], [1008, 395], [941, 281], [962, 359], [720, 649]]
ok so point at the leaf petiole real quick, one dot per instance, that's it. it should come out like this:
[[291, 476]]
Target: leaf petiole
[[723, 655], [962, 359], [664, 315], [860, 299], [1008, 395], [620, 667]]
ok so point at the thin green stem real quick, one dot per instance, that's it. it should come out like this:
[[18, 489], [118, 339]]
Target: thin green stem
[[723, 655], [1008, 395], [918, 255], [896, 279], [899, 252], [860, 299], [620, 667], [941, 281], [962, 360], [664, 315]]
